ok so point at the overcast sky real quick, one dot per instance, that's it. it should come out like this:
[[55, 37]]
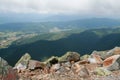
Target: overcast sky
[[110, 8]]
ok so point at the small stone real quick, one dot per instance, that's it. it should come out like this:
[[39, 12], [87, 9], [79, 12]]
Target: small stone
[[55, 67], [63, 70], [76, 67], [20, 67], [92, 60], [83, 72], [67, 64], [91, 67], [98, 59], [84, 62], [80, 70]]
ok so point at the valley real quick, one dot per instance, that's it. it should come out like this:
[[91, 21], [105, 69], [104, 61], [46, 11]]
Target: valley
[[42, 40], [46, 45]]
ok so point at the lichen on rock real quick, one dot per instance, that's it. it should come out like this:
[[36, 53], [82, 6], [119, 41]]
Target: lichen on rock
[[102, 71], [23, 62], [70, 56]]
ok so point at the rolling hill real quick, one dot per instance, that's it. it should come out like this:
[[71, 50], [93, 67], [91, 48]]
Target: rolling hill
[[84, 42], [45, 27]]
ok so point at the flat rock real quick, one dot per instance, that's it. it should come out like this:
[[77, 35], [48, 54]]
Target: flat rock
[[112, 63], [33, 64]]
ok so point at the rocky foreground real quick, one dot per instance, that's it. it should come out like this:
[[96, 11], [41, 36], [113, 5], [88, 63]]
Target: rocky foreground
[[100, 65]]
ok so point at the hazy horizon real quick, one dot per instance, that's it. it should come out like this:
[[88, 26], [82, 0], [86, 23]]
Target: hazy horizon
[[57, 10]]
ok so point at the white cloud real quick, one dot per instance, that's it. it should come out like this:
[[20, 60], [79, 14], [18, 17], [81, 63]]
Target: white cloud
[[82, 7], [55, 29]]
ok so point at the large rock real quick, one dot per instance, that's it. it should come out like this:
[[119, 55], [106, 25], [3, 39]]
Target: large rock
[[95, 58], [23, 62], [6, 71], [34, 64], [52, 60], [102, 54], [112, 63], [84, 57], [113, 51], [70, 56], [107, 53], [116, 50]]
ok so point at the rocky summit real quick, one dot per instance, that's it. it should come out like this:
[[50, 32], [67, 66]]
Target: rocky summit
[[100, 65], [6, 71]]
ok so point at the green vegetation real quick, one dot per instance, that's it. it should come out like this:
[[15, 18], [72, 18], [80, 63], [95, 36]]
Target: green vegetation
[[46, 45], [44, 39], [106, 31], [47, 36], [7, 38]]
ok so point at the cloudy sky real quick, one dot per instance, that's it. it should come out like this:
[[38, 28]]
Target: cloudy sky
[[109, 8]]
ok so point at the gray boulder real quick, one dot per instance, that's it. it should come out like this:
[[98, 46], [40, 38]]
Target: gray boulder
[[23, 62], [107, 53], [50, 61], [113, 51], [6, 71], [70, 56]]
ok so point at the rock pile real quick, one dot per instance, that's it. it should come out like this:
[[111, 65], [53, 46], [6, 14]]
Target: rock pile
[[100, 65], [6, 71]]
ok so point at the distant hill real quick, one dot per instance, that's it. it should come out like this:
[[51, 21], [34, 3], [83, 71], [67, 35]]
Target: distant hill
[[43, 27], [84, 42]]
